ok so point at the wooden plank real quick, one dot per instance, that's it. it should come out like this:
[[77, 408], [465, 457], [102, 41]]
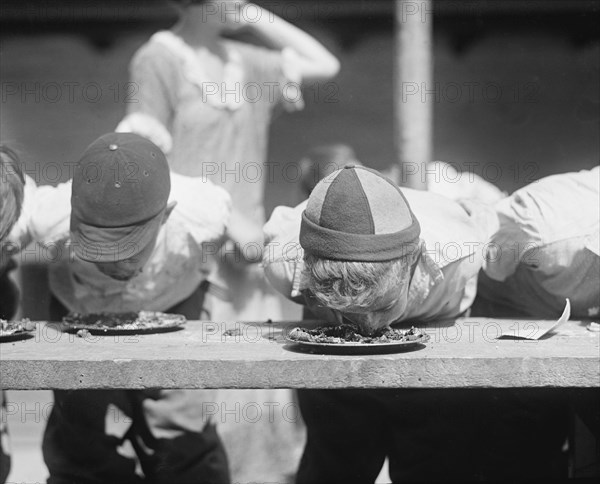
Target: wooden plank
[[413, 105], [465, 355]]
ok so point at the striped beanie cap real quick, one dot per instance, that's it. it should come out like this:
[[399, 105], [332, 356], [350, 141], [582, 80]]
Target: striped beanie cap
[[357, 214]]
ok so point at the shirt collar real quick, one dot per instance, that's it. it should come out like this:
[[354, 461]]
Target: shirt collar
[[427, 274]]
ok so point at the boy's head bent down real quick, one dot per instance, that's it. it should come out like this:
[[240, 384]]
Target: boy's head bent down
[[119, 201], [11, 190], [361, 241]]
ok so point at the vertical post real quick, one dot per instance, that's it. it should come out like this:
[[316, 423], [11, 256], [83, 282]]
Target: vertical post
[[413, 99]]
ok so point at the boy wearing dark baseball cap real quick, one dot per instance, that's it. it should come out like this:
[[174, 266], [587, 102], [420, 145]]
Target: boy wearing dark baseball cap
[[134, 236], [119, 198]]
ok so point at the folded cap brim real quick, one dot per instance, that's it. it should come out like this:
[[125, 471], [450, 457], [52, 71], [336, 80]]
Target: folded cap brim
[[331, 244], [112, 244]]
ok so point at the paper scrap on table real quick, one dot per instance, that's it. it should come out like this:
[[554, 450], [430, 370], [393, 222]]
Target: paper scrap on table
[[540, 332]]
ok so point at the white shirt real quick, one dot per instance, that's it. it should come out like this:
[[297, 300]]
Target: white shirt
[[445, 280], [19, 235], [547, 247], [184, 255]]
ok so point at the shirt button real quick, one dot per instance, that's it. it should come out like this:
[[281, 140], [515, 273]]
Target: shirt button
[[112, 147]]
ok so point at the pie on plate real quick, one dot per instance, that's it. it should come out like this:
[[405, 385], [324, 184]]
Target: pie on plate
[[14, 330], [345, 338], [142, 322]]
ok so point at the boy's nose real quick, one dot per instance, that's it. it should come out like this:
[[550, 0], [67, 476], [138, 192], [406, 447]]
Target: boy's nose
[[370, 324]]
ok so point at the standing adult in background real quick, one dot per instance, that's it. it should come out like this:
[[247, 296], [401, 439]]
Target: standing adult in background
[[216, 98], [212, 101]]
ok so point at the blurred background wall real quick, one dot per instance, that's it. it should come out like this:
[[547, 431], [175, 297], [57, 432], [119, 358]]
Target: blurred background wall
[[515, 91], [515, 82]]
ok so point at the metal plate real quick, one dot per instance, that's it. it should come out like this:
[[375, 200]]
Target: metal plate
[[360, 348], [19, 335], [122, 330], [27, 327]]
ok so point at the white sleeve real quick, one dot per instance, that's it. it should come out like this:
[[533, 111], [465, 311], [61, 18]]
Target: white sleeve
[[20, 234], [518, 233], [292, 95], [49, 214], [202, 206], [462, 277], [147, 126], [283, 257], [542, 215]]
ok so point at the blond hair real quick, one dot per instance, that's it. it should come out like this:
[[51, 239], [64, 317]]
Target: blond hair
[[11, 190], [354, 285]]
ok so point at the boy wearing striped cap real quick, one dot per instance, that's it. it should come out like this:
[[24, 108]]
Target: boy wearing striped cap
[[366, 255], [361, 250]]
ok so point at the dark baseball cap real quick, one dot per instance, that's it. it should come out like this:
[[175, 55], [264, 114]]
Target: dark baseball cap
[[120, 191]]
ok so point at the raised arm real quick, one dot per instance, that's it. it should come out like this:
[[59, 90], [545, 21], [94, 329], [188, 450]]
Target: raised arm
[[315, 62]]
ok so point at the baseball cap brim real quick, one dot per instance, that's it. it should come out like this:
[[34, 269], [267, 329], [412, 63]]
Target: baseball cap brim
[[112, 244]]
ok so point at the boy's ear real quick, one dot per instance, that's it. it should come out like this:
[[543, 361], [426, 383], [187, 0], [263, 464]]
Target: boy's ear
[[168, 210]]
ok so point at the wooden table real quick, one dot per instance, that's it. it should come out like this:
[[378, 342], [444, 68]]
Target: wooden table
[[462, 355]]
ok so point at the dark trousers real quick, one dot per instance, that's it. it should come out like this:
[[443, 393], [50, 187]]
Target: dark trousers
[[432, 435], [80, 447], [9, 293], [4, 455], [9, 302], [108, 436]]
